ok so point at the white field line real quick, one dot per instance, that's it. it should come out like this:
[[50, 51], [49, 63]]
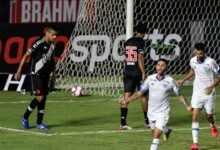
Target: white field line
[[127, 131], [89, 132], [25, 131], [71, 101]]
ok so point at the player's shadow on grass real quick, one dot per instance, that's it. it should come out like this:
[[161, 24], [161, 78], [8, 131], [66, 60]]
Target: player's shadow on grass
[[82, 97], [177, 120], [86, 95], [85, 121]]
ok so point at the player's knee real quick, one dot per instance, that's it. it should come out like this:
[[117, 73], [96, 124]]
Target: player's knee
[[195, 116], [157, 132]]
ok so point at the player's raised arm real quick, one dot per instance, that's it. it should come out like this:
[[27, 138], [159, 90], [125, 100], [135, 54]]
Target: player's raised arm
[[18, 73]]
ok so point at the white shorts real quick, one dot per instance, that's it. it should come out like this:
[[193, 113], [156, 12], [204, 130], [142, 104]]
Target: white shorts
[[159, 120], [204, 102]]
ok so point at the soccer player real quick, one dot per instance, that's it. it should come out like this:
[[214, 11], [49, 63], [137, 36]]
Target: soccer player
[[41, 53], [134, 73], [159, 86], [204, 69]]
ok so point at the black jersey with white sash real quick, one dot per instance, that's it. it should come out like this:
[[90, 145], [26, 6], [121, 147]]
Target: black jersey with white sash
[[41, 56]]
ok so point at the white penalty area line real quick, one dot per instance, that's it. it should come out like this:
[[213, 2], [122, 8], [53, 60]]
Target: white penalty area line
[[27, 131]]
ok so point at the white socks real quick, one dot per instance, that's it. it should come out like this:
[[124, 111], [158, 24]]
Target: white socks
[[155, 144], [195, 132]]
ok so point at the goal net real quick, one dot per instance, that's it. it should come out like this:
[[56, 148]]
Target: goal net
[[94, 55]]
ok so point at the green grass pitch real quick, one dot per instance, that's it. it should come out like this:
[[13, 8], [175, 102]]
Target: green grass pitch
[[92, 123]]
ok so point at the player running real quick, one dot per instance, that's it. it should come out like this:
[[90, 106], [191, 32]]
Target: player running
[[203, 68], [41, 53], [159, 86]]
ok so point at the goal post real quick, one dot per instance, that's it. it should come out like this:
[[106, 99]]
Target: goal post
[[129, 19], [95, 52]]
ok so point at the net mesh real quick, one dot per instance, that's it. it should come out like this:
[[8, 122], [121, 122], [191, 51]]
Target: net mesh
[[95, 54]]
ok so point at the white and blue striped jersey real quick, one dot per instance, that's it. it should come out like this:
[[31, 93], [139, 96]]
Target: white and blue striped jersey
[[204, 75]]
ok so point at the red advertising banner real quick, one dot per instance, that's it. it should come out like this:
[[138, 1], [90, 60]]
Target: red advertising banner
[[15, 39], [41, 11]]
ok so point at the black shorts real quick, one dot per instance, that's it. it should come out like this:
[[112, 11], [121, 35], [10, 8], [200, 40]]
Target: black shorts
[[131, 83], [39, 85]]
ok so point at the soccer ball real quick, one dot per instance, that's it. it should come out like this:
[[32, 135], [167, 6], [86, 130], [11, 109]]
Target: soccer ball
[[77, 90]]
